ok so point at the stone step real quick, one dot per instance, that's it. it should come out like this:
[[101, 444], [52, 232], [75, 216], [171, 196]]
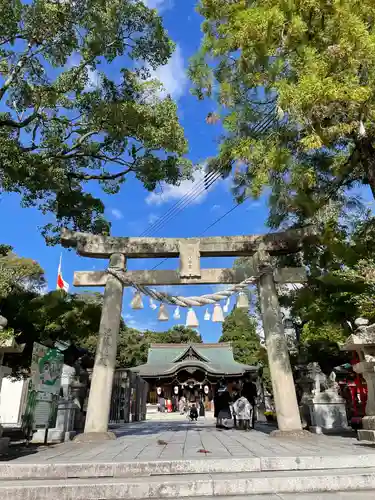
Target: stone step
[[191, 485], [17, 470], [337, 495]]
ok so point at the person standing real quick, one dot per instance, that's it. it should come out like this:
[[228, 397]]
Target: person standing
[[202, 410], [249, 391], [222, 402], [169, 405], [162, 404], [243, 411], [181, 405], [236, 394]]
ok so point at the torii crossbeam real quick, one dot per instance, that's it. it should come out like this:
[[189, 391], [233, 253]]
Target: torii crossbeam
[[189, 251]]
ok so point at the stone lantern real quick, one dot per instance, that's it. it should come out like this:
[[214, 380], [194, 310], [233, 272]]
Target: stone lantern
[[363, 342]]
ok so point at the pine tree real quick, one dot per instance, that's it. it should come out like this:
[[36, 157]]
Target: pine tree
[[306, 71]]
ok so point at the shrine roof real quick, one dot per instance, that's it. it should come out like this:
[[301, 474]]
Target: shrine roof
[[167, 359]]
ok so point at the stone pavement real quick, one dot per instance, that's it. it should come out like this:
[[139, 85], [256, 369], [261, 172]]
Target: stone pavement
[[171, 437], [170, 457]]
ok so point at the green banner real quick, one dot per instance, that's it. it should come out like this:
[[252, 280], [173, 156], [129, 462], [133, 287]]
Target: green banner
[[46, 369]]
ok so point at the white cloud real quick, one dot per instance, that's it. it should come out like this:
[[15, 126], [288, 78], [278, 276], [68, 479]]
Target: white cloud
[[215, 207], [253, 205], [137, 325], [152, 218], [160, 5], [172, 75], [94, 79], [220, 288], [117, 214], [195, 189]]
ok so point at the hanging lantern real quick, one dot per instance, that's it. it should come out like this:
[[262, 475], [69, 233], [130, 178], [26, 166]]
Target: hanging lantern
[[176, 314], [218, 316], [175, 389], [136, 302], [227, 304], [207, 315], [158, 391], [206, 389], [153, 305], [242, 301], [191, 319], [163, 313]]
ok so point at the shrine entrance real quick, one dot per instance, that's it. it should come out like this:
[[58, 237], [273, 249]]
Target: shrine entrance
[[190, 370], [260, 251]]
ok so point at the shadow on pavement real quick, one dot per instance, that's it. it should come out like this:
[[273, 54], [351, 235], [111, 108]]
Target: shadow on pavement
[[149, 428], [22, 450]]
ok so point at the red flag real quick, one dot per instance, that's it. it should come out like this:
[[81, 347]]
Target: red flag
[[61, 284]]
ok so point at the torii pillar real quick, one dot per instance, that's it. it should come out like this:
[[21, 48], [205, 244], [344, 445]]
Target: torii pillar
[[96, 425], [284, 392]]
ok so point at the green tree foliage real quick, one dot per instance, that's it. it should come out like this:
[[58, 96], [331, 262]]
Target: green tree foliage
[[47, 318], [340, 288], [133, 344], [78, 107], [307, 68], [178, 334], [240, 330], [18, 273]]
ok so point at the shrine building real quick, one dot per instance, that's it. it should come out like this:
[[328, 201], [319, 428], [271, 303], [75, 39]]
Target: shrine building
[[190, 370]]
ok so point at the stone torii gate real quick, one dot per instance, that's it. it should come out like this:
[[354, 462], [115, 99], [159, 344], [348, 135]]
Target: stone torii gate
[[189, 250]]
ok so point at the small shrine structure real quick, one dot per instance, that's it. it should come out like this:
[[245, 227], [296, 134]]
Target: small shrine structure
[[363, 342], [190, 370]]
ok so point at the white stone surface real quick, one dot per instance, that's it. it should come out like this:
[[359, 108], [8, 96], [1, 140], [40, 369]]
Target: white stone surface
[[328, 413], [189, 486], [11, 400]]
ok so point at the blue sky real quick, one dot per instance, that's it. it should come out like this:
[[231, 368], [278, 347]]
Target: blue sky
[[133, 209]]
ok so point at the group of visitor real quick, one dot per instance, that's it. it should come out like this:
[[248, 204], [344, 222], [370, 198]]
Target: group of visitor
[[191, 409], [167, 405], [239, 404]]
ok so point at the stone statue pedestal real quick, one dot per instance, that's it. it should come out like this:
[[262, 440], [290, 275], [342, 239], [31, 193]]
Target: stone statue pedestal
[[367, 433], [328, 413], [64, 429]]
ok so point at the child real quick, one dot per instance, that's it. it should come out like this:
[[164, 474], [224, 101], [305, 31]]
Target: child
[[194, 413], [243, 411]]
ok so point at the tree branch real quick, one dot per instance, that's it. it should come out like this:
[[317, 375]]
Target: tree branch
[[11, 38], [100, 177], [8, 122], [80, 141], [18, 67]]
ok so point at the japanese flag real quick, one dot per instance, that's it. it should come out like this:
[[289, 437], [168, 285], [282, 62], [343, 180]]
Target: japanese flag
[[61, 284]]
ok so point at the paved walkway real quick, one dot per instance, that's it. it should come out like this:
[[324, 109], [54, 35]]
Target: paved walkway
[[171, 437]]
